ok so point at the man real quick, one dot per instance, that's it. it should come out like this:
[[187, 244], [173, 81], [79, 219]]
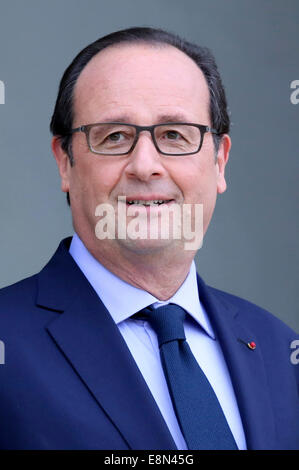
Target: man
[[89, 364]]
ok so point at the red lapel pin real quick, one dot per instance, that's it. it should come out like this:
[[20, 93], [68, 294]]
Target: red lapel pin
[[251, 345]]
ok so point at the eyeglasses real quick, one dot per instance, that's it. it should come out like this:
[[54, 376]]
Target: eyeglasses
[[174, 138]]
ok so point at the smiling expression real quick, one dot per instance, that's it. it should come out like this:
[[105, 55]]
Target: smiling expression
[[144, 85]]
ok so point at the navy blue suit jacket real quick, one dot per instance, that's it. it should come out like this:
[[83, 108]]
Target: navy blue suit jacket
[[70, 382]]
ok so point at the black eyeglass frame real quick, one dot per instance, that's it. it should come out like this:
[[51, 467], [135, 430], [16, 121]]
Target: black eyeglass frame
[[86, 130]]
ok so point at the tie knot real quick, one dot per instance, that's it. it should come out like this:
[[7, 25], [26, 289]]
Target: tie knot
[[167, 321]]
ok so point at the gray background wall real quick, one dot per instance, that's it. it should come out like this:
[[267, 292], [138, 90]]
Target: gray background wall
[[251, 247]]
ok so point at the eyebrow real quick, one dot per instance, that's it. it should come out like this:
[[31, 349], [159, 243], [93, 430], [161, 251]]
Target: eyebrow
[[175, 117]]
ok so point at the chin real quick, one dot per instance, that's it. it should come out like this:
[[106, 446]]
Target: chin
[[149, 246]]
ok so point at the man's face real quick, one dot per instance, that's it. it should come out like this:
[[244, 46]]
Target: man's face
[[143, 85]]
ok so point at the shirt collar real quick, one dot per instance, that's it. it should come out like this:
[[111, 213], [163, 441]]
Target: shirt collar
[[130, 299]]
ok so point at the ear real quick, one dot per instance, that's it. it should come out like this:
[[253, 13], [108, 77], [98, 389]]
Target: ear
[[222, 159], [63, 163]]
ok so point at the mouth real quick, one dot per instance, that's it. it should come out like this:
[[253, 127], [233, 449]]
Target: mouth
[[148, 202]]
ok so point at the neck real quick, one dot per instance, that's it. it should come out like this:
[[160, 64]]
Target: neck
[[160, 272]]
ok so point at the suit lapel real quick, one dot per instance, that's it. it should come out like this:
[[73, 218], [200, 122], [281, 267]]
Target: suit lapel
[[246, 367], [90, 340]]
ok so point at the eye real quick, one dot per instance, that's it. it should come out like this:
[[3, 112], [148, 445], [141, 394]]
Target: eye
[[115, 137], [172, 135]]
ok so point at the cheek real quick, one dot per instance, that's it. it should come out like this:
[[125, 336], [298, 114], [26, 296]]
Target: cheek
[[94, 181], [197, 181]]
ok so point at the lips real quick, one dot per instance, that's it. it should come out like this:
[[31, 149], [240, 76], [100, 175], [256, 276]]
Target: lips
[[150, 202]]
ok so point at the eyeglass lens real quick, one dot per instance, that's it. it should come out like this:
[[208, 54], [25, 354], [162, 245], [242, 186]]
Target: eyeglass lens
[[113, 139]]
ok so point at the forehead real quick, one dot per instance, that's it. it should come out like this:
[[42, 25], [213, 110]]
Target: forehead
[[141, 81]]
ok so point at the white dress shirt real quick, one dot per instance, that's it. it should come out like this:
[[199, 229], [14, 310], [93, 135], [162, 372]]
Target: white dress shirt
[[122, 300]]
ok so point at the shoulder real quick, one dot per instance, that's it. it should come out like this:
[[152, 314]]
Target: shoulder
[[19, 292], [277, 343], [22, 295], [252, 315], [18, 304]]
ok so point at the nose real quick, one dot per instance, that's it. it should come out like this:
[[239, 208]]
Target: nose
[[145, 162]]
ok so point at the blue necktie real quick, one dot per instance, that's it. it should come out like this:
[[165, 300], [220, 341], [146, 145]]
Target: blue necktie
[[198, 411]]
